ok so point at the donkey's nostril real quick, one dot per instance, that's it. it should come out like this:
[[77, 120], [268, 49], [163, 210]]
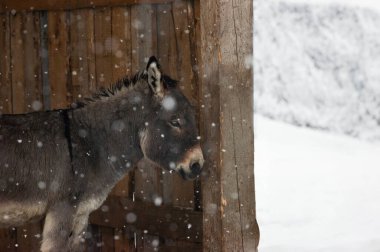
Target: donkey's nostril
[[195, 168]]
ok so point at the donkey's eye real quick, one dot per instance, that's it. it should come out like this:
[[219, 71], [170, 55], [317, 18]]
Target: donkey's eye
[[175, 123]]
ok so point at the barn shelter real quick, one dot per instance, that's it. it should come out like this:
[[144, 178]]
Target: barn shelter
[[54, 52]]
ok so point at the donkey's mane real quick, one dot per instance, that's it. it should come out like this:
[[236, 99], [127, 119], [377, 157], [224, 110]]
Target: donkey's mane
[[122, 84]]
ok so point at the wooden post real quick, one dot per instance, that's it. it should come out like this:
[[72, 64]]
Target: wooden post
[[226, 93]]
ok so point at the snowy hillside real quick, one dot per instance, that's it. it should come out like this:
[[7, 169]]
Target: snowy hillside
[[315, 191], [318, 66]]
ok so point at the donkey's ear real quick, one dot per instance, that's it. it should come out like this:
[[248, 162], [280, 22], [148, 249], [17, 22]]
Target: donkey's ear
[[154, 77]]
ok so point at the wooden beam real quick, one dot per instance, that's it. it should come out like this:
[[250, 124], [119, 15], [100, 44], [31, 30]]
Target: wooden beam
[[229, 219], [166, 221], [56, 5]]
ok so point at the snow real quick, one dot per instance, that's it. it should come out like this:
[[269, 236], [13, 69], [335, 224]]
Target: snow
[[318, 66], [169, 103], [354, 3], [315, 191]]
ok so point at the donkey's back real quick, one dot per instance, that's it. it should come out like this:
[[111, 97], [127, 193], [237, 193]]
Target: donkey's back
[[33, 162]]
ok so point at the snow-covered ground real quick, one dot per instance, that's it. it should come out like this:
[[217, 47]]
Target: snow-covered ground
[[315, 191], [316, 65]]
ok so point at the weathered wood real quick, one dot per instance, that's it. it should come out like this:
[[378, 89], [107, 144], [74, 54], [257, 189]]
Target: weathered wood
[[5, 64], [8, 240], [81, 59], [166, 42], [166, 221], [17, 63], [210, 128], [188, 246], [182, 36], [58, 59], [144, 39], [26, 67], [59, 5], [103, 47], [121, 42], [44, 40], [227, 84], [124, 242], [32, 63], [29, 237], [107, 235]]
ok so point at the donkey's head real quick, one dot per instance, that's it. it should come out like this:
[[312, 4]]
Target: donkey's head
[[169, 137]]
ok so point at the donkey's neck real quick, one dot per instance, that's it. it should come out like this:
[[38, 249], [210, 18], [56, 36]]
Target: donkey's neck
[[110, 129]]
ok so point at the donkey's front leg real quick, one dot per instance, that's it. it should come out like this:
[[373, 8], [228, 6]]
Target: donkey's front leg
[[58, 228], [77, 239]]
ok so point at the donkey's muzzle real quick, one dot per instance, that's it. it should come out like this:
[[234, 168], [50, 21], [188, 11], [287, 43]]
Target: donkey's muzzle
[[191, 165], [195, 168]]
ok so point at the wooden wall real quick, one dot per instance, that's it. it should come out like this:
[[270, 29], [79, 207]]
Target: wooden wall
[[52, 56], [229, 217]]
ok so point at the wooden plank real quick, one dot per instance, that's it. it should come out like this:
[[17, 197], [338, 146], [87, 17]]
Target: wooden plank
[[29, 237], [123, 187], [26, 67], [17, 61], [168, 245], [144, 35], [188, 246], [166, 221], [58, 59], [237, 159], [167, 45], [5, 60], [107, 235], [103, 47], [182, 36], [228, 194], [121, 42], [82, 58], [209, 125], [193, 24], [32, 66], [90, 24], [44, 40], [150, 243], [8, 240], [59, 5], [124, 242]]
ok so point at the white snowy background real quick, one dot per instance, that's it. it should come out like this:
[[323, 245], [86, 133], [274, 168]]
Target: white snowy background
[[317, 124]]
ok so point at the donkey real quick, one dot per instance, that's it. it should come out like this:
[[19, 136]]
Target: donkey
[[62, 164]]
